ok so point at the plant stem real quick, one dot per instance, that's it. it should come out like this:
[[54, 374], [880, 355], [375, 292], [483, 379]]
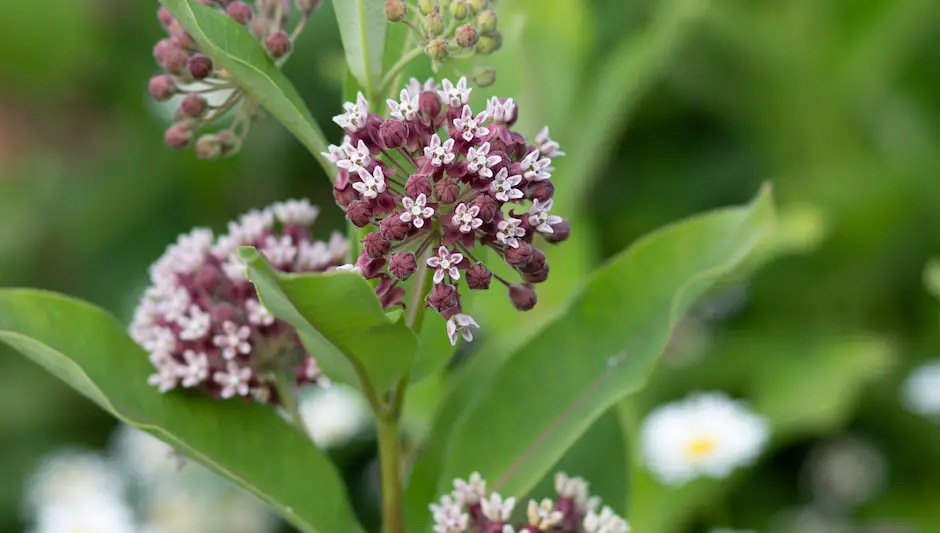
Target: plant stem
[[285, 392], [390, 465], [400, 65]]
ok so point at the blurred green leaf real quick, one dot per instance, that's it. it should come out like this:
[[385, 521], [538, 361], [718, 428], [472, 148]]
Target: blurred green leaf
[[435, 351], [340, 321], [932, 277], [233, 48], [246, 442], [550, 391], [363, 26]]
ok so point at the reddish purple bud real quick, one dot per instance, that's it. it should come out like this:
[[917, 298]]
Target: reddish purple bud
[[429, 104], [478, 277], [393, 133], [344, 196], [402, 265], [240, 11], [162, 87], [523, 297], [370, 267], [222, 312], [359, 213], [418, 184], [488, 207], [540, 190], [447, 191], [180, 36], [278, 44], [443, 299], [165, 17], [393, 228], [194, 105], [467, 36], [560, 232], [519, 257], [392, 297], [170, 56], [178, 136], [199, 67], [375, 245], [536, 271]]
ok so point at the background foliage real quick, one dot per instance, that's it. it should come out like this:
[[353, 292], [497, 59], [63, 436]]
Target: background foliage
[[666, 108]]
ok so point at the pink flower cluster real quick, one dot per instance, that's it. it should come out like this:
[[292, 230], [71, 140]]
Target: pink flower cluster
[[201, 321], [437, 182], [469, 508]]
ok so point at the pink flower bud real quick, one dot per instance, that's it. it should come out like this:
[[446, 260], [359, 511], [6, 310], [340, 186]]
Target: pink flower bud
[[488, 207], [447, 191], [417, 185], [393, 133], [395, 10], [443, 299], [278, 44], [560, 232], [429, 105], [478, 277], [180, 36], [194, 105], [359, 213], [467, 36], [392, 297], [178, 136], [162, 87], [540, 190], [536, 271], [170, 56], [344, 196], [199, 67], [165, 17], [240, 11], [208, 147], [402, 265], [370, 267], [222, 312], [394, 229], [521, 256], [523, 297], [375, 245]]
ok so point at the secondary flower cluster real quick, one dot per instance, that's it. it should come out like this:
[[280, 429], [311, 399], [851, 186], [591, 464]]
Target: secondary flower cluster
[[208, 93], [201, 321], [461, 29], [469, 508], [438, 182]]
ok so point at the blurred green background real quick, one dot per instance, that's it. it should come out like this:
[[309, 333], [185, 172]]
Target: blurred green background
[[837, 102]]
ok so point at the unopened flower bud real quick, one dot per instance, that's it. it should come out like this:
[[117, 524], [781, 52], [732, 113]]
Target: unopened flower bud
[[429, 104], [486, 22], [394, 229], [488, 207], [437, 49], [179, 35], [194, 106], [484, 76], [370, 267], [208, 147], [523, 297], [223, 311], [240, 12], [395, 10], [308, 6], [359, 213], [433, 25], [162, 87], [489, 43], [170, 56], [178, 136], [402, 265], [536, 271], [165, 17], [478, 5], [417, 185], [467, 36], [344, 196], [443, 298], [199, 67], [427, 6], [560, 232], [447, 191], [520, 256], [460, 9], [478, 277], [278, 44], [375, 245], [393, 133]]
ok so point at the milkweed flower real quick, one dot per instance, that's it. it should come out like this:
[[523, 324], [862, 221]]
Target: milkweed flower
[[200, 319], [471, 508], [921, 392], [705, 434], [437, 183]]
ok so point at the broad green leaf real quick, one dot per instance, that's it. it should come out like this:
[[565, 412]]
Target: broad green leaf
[[233, 48], [249, 443], [363, 26], [339, 319], [600, 349], [435, 350]]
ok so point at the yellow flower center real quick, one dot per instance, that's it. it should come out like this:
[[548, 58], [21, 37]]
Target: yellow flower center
[[700, 447]]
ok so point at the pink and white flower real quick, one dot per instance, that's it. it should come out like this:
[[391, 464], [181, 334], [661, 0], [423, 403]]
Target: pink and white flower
[[416, 211], [504, 188], [446, 264], [539, 217], [372, 184], [353, 118], [471, 127], [479, 161], [440, 153], [467, 218]]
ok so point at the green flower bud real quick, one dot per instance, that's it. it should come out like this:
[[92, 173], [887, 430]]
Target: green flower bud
[[486, 22], [433, 25], [467, 36], [460, 9], [484, 76], [395, 10], [489, 43], [437, 49], [428, 6], [478, 5]]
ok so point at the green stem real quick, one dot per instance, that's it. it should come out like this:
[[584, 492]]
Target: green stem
[[629, 427], [390, 465], [285, 393], [399, 66]]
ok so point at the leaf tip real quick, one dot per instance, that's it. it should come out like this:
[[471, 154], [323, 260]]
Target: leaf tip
[[247, 254]]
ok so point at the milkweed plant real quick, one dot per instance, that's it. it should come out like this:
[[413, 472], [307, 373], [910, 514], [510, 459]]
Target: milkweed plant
[[459, 213]]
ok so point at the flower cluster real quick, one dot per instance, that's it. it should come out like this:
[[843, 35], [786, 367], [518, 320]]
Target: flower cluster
[[206, 93], [461, 29], [201, 321], [436, 182], [469, 508], [706, 434]]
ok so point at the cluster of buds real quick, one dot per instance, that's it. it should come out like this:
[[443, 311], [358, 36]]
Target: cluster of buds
[[201, 321], [207, 94], [451, 29], [469, 508], [435, 182]]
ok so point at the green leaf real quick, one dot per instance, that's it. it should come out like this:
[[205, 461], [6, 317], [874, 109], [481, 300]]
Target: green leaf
[[246, 442], [339, 319], [435, 351], [232, 47], [363, 26], [602, 348]]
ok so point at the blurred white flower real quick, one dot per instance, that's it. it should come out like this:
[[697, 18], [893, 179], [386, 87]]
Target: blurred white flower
[[845, 472], [145, 457], [95, 513], [921, 392], [334, 415], [705, 434], [71, 477]]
